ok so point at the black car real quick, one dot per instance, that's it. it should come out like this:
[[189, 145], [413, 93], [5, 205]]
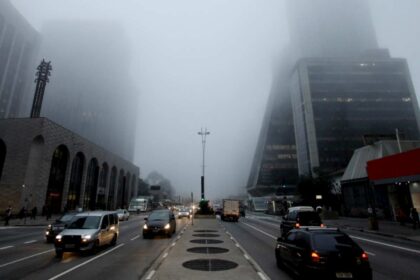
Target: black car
[[159, 222], [322, 253], [59, 225], [297, 219]]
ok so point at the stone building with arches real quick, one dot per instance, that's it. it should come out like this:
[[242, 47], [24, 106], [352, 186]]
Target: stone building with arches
[[43, 163]]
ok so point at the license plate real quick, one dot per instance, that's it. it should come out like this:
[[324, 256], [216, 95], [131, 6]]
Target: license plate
[[155, 230], [69, 246], [344, 275]]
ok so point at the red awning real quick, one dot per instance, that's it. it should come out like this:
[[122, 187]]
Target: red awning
[[405, 164]]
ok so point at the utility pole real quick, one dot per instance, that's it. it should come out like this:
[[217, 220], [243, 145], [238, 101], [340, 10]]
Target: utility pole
[[203, 134], [41, 82]]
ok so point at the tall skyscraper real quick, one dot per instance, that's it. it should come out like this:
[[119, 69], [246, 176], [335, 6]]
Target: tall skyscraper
[[19, 43], [341, 104], [91, 91], [332, 45]]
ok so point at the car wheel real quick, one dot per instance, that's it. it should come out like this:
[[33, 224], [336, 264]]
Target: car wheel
[[59, 253], [95, 247], [114, 240], [169, 234], [146, 236], [279, 261]]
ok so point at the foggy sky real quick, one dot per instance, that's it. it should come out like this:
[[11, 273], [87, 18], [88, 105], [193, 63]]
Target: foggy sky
[[209, 64]]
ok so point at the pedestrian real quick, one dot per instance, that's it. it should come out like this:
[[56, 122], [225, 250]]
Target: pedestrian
[[414, 217], [22, 213], [33, 213], [401, 217], [44, 210], [8, 215], [49, 212]]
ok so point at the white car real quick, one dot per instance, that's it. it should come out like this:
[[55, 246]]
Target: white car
[[123, 214]]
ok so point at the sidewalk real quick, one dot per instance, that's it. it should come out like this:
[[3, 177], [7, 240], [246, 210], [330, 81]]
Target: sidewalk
[[208, 251], [39, 221], [386, 228]]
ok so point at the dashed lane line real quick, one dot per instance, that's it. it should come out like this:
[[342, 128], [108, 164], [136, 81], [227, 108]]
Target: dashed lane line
[[30, 241], [150, 275], [6, 247], [257, 229], [86, 262], [135, 237], [386, 244], [25, 258]]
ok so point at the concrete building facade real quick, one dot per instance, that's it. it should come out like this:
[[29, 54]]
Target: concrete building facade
[[19, 44], [43, 163]]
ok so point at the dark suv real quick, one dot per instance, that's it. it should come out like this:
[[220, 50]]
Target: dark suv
[[322, 253], [299, 218]]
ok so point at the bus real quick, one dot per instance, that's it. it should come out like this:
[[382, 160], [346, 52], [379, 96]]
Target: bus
[[140, 204], [258, 204]]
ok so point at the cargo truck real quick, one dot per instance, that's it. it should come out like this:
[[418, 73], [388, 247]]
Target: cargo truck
[[230, 210]]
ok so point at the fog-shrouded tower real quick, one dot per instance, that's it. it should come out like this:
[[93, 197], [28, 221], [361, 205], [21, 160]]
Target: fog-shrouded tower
[[340, 30], [330, 28], [92, 92]]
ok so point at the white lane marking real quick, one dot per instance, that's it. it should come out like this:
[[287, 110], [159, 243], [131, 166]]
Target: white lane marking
[[262, 275], [86, 262], [386, 244], [246, 256], [173, 244], [150, 275], [6, 247], [25, 258], [237, 245], [370, 254], [30, 241], [135, 237], [263, 232], [165, 255]]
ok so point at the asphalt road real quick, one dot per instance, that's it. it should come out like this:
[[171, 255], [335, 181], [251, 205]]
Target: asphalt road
[[24, 254], [390, 258]]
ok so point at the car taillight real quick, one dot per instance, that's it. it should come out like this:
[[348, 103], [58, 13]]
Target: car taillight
[[364, 256], [322, 225], [315, 257], [297, 225]]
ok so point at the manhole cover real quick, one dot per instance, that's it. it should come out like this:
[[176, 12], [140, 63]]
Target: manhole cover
[[206, 235], [205, 230], [207, 250], [206, 241], [209, 264]]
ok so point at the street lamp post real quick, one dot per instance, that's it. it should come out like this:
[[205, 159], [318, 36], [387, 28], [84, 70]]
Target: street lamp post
[[203, 134]]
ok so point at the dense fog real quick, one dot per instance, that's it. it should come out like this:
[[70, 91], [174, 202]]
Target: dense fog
[[189, 64]]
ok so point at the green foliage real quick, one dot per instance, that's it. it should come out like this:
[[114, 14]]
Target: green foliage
[[205, 208]]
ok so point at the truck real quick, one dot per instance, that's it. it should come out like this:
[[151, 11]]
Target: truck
[[230, 210]]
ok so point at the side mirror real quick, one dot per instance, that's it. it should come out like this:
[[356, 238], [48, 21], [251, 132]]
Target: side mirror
[[145, 219]]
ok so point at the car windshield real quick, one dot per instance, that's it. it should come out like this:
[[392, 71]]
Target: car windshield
[[66, 218], [161, 215], [85, 222], [332, 241], [120, 211]]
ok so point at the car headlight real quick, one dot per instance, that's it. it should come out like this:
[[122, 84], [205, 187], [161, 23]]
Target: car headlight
[[168, 226], [58, 237], [86, 237], [145, 226], [47, 233], [49, 226]]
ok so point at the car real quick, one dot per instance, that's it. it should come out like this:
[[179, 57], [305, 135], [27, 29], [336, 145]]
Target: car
[[183, 212], [87, 232], [159, 222], [123, 214], [322, 253], [299, 217], [59, 225]]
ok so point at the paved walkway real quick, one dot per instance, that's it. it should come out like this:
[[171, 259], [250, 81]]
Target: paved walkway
[[38, 221], [171, 264]]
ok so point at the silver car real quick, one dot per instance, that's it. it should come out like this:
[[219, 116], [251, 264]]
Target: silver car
[[87, 232]]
